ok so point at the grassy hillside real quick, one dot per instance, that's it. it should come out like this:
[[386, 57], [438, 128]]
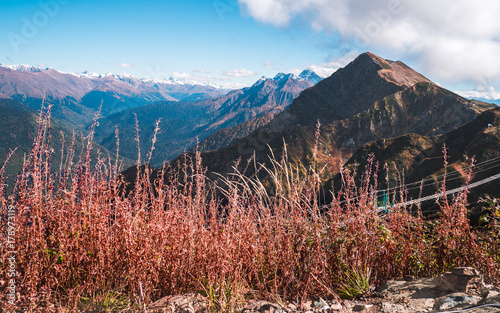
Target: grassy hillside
[[416, 158], [226, 136], [88, 246]]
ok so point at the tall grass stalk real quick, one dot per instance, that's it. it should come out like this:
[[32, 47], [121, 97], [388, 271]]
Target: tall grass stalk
[[85, 240]]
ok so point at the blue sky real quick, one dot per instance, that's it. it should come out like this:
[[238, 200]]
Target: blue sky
[[455, 42], [156, 38]]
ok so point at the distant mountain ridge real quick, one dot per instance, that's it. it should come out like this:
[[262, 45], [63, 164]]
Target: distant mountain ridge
[[495, 101], [77, 98], [184, 124], [351, 90], [32, 81], [224, 137]]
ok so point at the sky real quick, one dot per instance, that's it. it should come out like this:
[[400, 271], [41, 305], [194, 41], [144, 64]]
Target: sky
[[455, 43]]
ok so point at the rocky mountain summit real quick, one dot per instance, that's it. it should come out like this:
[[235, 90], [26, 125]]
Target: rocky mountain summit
[[368, 100]]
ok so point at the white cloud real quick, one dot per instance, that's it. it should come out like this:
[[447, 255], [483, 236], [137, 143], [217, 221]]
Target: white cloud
[[488, 93], [222, 82], [239, 73], [334, 64], [181, 75], [269, 64], [323, 70], [453, 40], [126, 65], [328, 68], [194, 78], [295, 71]]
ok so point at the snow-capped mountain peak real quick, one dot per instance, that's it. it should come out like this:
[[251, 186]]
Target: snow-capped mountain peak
[[282, 76], [22, 68], [87, 74], [311, 76]]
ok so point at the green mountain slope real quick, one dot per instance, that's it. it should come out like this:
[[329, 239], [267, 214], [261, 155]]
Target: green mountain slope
[[226, 136], [420, 157]]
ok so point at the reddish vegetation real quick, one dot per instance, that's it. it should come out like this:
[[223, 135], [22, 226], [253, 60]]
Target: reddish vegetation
[[79, 236]]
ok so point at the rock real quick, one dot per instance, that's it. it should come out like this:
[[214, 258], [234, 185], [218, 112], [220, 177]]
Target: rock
[[189, 302], [307, 305], [259, 306], [465, 271], [320, 303], [359, 307], [491, 297], [392, 308], [391, 286], [462, 287], [397, 286], [292, 306], [492, 294], [460, 279], [455, 300], [336, 307], [422, 304], [268, 308], [409, 277]]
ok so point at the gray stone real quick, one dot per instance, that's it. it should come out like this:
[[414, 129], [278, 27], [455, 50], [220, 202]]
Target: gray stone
[[422, 304], [409, 277], [456, 300], [307, 305], [491, 297], [465, 271], [392, 308], [292, 306], [398, 286], [189, 302], [492, 294]]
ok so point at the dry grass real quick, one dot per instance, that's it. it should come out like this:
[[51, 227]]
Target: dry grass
[[83, 243]]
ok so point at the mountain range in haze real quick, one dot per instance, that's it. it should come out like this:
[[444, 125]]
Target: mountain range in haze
[[77, 97], [188, 111], [183, 124]]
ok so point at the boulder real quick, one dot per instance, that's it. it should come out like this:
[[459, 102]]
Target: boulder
[[460, 279], [454, 300]]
